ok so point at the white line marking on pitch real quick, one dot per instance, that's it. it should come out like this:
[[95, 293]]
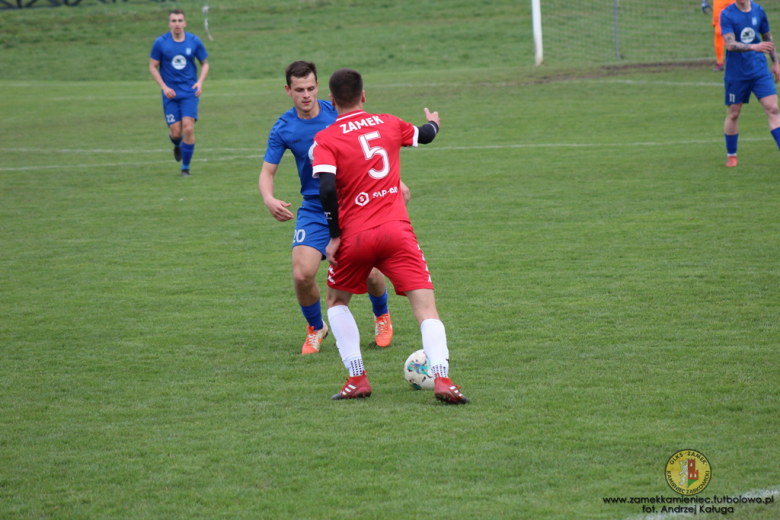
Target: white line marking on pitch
[[258, 156]]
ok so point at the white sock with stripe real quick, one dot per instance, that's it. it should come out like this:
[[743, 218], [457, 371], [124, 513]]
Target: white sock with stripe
[[347, 335], [434, 340]]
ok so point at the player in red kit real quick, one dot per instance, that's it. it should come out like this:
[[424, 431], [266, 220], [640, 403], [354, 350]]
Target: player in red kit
[[358, 164]]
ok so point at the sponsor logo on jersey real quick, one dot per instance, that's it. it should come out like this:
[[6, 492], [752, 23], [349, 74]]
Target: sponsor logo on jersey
[[311, 151], [179, 62], [357, 125], [748, 35], [379, 194], [688, 472], [362, 199]]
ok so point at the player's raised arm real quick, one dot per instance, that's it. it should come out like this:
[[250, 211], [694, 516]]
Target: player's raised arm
[[428, 131], [278, 208]]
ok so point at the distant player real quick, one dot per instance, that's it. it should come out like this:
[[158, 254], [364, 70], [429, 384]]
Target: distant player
[[358, 164], [172, 64], [295, 131], [717, 7], [746, 69]]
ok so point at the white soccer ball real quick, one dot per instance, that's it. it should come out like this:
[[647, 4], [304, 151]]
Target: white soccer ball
[[417, 371]]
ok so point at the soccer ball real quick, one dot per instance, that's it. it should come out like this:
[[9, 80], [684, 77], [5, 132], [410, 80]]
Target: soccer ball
[[417, 371]]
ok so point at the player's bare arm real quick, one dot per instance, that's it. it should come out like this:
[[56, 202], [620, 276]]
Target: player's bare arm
[[407, 195], [154, 69], [734, 46], [204, 71], [767, 37], [278, 208]]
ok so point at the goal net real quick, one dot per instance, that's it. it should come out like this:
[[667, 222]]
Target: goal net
[[628, 31]]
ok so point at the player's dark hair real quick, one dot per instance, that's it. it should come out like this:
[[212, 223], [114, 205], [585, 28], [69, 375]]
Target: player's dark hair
[[346, 87], [176, 11], [300, 69]]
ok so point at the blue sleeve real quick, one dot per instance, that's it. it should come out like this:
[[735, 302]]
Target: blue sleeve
[[276, 146], [157, 50], [763, 27], [725, 23], [200, 50]]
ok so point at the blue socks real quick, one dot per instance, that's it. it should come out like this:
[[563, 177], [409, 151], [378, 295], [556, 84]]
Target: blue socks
[[312, 313], [776, 135], [186, 155], [379, 303], [176, 142], [731, 144]]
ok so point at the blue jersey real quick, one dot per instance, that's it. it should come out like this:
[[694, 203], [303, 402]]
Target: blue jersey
[[177, 61], [296, 134], [746, 28]]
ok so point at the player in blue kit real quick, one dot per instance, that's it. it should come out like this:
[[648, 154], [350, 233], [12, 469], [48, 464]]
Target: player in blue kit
[[746, 69], [295, 131], [172, 65]]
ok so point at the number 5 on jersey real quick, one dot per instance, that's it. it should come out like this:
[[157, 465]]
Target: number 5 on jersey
[[369, 152]]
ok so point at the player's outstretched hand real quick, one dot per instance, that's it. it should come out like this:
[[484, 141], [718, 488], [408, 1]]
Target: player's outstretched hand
[[197, 88], [432, 117], [331, 250], [278, 209], [169, 93], [764, 47]]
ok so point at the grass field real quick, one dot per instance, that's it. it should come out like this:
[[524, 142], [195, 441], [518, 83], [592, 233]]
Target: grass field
[[609, 288]]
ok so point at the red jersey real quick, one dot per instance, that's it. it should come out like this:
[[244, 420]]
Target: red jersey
[[363, 151]]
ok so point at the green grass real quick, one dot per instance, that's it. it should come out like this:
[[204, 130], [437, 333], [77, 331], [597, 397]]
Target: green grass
[[609, 291]]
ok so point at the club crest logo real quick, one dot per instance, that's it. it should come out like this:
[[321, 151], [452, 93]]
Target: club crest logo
[[747, 35], [755, 21], [189, 51], [179, 62], [688, 472], [362, 199]]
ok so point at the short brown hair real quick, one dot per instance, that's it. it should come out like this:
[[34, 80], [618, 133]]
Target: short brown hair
[[346, 87], [176, 11], [300, 69]]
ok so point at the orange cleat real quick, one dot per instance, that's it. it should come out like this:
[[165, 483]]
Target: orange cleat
[[731, 161], [383, 330], [445, 390], [355, 387], [314, 339]]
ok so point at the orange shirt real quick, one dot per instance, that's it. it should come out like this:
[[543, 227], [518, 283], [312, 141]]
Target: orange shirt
[[717, 7]]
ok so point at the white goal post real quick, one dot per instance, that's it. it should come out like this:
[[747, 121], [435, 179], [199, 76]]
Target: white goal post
[[623, 31]]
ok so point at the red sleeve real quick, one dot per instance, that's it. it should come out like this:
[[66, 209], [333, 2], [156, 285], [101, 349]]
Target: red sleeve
[[409, 133], [323, 159]]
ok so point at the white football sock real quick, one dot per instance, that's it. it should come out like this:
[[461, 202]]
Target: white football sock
[[434, 340], [347, 335]]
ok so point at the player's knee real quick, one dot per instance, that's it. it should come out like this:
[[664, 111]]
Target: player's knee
[[376, 280], [303, 277]]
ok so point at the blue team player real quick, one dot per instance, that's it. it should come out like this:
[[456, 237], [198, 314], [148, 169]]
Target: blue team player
[[746, 69], [172, 64], [295, 131]]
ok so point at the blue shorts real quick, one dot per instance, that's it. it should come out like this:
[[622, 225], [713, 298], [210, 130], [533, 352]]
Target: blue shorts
[[739, 91], [177, 108], [311, 227]]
